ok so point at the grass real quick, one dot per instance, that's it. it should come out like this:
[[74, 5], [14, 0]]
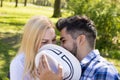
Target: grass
[[15, 18], [12, 21]]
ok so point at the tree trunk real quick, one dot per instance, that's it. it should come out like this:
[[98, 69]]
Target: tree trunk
[[33, 1], [57, 12], [16, 3], [1, 3], [25, 3], [10, 0]]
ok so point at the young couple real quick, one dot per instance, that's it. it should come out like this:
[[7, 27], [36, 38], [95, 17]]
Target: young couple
[[77, 35]]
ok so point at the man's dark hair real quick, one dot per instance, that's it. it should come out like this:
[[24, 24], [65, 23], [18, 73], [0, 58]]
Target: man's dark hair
[[77, 25]]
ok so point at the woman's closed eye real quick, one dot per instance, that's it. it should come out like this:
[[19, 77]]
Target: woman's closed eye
[[44, 42]]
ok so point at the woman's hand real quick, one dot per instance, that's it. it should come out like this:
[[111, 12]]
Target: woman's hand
[[45, 73]]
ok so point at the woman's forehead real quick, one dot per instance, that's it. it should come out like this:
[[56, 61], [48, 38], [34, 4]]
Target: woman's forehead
[[50, 33]]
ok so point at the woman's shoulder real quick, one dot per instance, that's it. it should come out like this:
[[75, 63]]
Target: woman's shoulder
[[18, 60]]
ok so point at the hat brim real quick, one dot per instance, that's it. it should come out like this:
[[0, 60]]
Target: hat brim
[[58, 55]]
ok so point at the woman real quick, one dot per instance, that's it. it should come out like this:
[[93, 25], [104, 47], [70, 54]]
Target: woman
[[38, 31]]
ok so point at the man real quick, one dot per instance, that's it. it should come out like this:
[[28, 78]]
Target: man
[[78, 35]]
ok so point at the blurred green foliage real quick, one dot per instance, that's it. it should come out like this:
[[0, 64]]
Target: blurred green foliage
[[106, 15]]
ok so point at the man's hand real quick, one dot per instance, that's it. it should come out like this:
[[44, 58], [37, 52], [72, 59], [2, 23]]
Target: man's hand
[[44, 71]]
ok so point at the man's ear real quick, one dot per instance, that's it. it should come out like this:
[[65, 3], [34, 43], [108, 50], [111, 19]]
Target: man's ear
[[81, 39]]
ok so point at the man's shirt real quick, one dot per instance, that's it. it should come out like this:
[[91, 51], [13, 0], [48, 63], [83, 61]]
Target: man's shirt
[[95, 67]]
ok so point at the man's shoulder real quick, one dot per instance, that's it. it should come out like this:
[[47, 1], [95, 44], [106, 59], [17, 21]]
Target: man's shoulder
[[102, 66], [104, 70], [102, 63]]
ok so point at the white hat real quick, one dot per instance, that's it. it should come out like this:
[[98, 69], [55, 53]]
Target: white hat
[[58, 55]]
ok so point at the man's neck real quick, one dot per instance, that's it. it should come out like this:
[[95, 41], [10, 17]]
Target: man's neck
[[83, 53]]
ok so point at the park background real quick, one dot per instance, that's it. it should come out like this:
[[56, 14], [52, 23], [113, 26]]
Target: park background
[[15, 13]]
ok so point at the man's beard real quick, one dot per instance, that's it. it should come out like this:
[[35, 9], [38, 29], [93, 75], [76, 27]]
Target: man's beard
[[74, 50]]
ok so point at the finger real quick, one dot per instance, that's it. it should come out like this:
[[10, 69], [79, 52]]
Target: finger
[[40, 67], [36, 73], [40, 64], [45, 62], [60, 70]]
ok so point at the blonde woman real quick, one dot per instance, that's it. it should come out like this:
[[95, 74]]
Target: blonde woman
[[38, 31]]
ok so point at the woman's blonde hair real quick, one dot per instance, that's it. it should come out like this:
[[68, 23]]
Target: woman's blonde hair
[[34, 31]]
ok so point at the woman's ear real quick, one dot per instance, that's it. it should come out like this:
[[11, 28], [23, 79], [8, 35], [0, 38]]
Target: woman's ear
[[80, 39]]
